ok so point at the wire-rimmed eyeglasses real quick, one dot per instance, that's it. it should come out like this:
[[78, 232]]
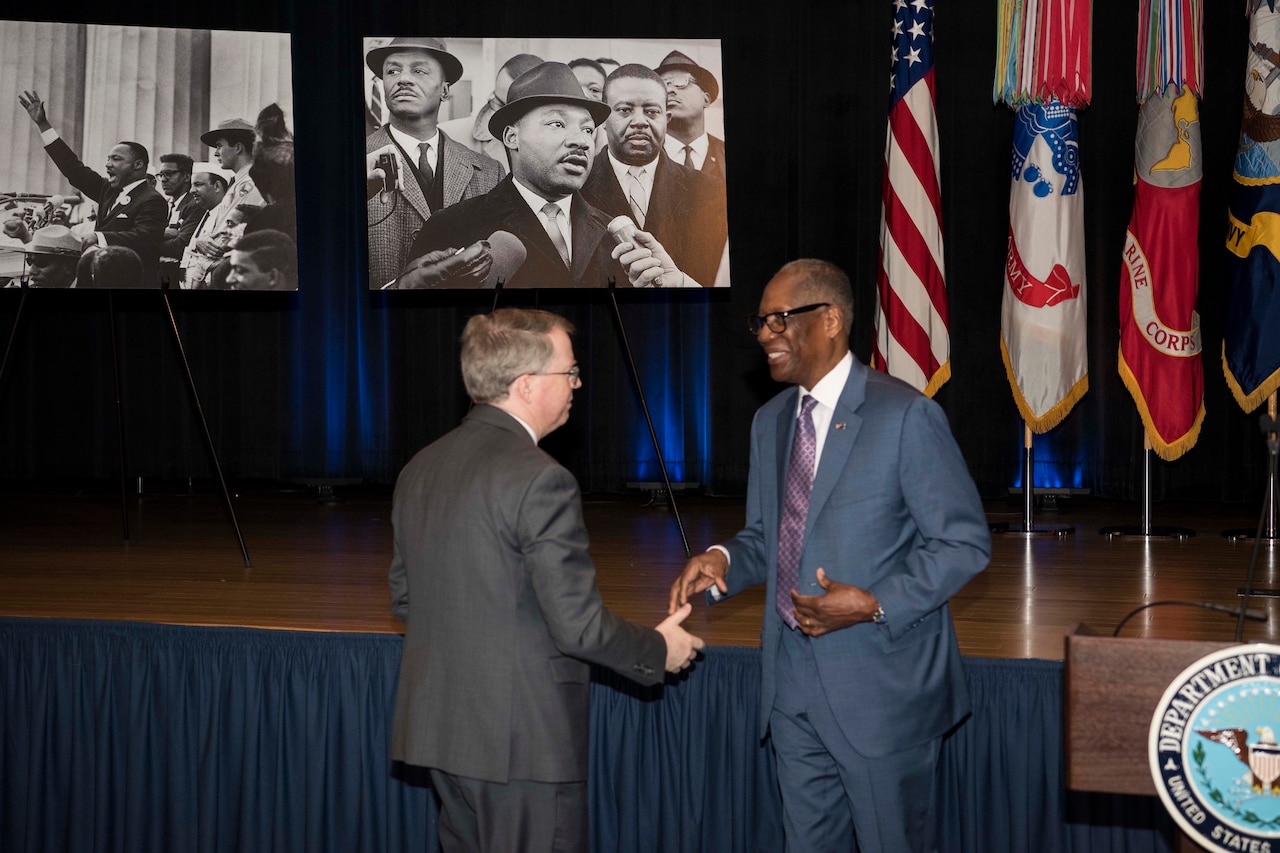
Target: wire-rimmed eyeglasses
[[574, 373], [777, 321]]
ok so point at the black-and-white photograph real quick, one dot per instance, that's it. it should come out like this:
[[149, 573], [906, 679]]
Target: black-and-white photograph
[[544, 162], [146, 157]]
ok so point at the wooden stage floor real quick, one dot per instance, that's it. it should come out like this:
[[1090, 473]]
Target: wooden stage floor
[[322, 567]]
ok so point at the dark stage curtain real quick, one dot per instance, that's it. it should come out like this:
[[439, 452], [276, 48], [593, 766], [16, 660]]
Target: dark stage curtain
[[133, 737], [337, 382]]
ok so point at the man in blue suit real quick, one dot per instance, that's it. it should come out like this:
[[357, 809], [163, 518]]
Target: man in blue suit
[[859, 499]]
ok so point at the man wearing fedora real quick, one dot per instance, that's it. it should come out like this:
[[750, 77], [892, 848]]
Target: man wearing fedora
[[433, 171], [473, 130], [131, 212], [548, 128], [52, 256], [232, 144], [682, 208], [690, 90]]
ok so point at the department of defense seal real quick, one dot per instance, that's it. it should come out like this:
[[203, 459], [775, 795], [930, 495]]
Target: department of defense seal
[[1213, 751]]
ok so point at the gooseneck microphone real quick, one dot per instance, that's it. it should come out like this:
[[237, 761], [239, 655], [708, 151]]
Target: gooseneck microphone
[[1242, 612]]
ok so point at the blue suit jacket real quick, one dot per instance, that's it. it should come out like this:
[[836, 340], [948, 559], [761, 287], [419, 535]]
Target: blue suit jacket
[[894, 511]]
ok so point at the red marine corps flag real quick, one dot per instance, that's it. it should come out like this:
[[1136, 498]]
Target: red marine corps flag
[[912, 342], [1160, 346]]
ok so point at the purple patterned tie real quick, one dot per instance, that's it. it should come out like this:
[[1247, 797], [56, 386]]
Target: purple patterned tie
[[795, 509]]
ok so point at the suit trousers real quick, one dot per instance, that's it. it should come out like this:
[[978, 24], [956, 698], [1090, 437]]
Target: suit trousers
[[833, 797], [513, 817]]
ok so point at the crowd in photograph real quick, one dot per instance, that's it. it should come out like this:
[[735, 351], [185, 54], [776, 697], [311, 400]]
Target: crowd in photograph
[[225, 221]]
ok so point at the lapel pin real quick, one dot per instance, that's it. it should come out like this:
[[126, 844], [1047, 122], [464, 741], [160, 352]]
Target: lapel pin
[[840, 425]]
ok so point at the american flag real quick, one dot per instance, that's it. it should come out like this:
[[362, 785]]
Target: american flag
[[912, 342]]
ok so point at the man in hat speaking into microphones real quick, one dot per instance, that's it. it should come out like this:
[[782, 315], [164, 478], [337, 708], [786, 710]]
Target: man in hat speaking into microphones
[[548, 128]]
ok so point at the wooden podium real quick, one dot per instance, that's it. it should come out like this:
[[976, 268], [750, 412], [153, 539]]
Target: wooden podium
[[1112, 686]]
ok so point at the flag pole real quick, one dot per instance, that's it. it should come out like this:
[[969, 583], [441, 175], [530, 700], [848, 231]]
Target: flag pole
[[1267, 526], [1146, 530], [1028, 528], [1028, 480]]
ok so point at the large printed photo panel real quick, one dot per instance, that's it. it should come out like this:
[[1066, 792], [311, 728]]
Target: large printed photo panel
[[146, 157], [544, 162]]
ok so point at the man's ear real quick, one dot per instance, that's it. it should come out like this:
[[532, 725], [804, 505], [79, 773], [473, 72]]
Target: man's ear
[[511, 137], [444, 91], [834, 318]]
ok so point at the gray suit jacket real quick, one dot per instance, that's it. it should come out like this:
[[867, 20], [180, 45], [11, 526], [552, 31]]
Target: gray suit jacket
[[498, 594], [894, 511], [395, 218]]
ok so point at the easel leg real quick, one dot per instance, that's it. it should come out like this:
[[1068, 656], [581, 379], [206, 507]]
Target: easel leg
[[644, 406], [204, 425], [13, 332], [115, 377]]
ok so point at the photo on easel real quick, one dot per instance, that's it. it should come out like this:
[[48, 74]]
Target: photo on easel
[[544, 163], [146, 157]]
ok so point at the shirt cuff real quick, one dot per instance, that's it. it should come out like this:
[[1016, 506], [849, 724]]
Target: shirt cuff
[[713, 590], [49, 136]]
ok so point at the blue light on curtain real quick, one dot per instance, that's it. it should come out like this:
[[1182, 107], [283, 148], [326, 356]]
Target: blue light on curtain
[[373, 386], [1057, 463], [673, 360]]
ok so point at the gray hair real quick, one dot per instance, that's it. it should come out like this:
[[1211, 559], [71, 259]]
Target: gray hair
[[498, 347], [824, 282]]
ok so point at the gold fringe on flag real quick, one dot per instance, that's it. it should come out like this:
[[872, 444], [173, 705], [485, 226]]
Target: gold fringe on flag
[[1249, 402], [1166, 450], [1042, 423]]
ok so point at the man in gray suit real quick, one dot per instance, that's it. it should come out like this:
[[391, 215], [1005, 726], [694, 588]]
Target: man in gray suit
[[431, 170], [862, 521], [492, 578]]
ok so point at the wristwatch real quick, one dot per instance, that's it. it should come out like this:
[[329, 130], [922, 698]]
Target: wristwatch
[[878, 616]]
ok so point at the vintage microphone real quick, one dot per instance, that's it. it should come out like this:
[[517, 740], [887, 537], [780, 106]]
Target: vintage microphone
[[508, 252], [622, 229]]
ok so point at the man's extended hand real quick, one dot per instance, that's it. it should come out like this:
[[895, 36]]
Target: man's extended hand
[[700, 574], [467, 268], [31, 102], [682, 647], [842, 606], [648, 264]]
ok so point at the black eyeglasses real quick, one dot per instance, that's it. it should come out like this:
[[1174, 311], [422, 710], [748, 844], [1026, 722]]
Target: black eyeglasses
[[777, 321], [574, 373], [169, 173]]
